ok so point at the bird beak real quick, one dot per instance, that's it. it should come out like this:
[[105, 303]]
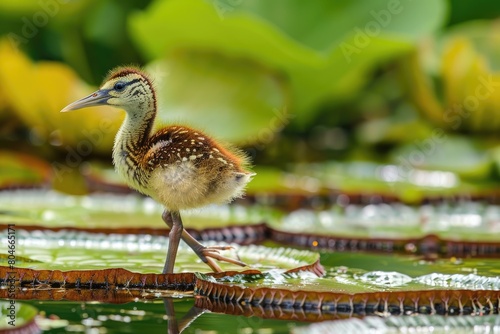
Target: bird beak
[[98, 98]]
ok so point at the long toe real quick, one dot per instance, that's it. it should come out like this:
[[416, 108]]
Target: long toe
[[209, 252], [214, 248]]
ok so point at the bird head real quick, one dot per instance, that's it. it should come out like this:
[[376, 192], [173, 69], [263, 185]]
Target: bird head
[[127, 88]]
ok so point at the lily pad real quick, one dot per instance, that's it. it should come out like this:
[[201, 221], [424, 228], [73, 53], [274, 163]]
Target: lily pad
[[401, 181], [72, 250], [445, 153], [357, 291], [121, 213], [467, 221]]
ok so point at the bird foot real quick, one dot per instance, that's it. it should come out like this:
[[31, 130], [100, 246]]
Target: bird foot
[[208, 253]]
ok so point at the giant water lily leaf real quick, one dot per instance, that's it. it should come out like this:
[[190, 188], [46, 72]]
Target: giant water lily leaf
[[71, 250], [122, 213], [410, 265], [21, 170], [322, 47], [402, 181], [464, 230], [38, 91], [465, 221], [447, 153], [354, 291]]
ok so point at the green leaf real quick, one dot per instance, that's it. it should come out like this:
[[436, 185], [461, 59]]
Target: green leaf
[[323, 47], [233, 99]]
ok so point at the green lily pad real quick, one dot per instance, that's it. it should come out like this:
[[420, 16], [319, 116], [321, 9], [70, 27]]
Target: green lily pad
[[345, 290], [130, 212], [71, 250], [406, 183], [466, 221], [356, 281], [441, 152]]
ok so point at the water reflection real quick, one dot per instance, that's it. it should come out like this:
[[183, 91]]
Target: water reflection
[[176, 326]]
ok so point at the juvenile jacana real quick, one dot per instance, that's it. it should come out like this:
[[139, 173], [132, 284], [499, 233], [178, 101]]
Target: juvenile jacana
[[179, 167]]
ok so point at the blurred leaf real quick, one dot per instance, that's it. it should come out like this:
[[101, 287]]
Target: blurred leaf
[[103, 24], [4, 112], [323, 48], [467, 10], [43, 8], [454, 80], [21, 170], [236, 100], [38, 91], [324, 24]]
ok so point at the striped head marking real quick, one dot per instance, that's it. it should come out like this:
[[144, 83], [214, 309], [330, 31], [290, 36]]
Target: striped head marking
[[126, 87], [129, 88]]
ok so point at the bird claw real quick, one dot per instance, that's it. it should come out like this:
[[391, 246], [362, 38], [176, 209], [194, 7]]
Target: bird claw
[[208, 253]]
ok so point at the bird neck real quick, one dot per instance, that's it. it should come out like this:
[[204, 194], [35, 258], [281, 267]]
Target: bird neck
[[137, 126]]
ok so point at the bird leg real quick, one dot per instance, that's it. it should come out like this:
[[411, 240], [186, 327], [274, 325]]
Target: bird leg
[[205, 253], [174, 238]]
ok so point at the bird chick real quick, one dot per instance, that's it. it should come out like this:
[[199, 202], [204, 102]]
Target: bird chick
[[179, 167]]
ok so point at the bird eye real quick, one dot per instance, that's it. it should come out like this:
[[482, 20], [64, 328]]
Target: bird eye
[[119, 86]]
